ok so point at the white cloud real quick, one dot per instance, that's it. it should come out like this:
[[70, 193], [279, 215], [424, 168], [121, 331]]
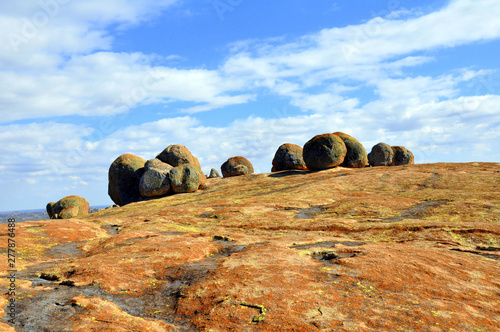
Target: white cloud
[[65, 40], [107, 83]]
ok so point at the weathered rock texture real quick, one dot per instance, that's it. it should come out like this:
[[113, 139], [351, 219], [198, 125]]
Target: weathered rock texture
[[402, 156], [288, 157], [414, 248], [214, 174], [356, 156], [68, 207], [184, 179], [124, 176], [155, 181], [381, 155], [236, 166], [177, 155], [324, 151]]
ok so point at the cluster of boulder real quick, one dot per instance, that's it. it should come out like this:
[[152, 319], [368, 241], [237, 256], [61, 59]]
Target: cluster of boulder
[[175, 170], [68, 207], [338, 149], [383, 154]]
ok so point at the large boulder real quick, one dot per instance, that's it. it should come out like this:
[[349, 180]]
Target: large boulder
[[124, 176], [177, 155], [184, 179], [68, 207], [356, 156], [402, 156], [381, 155], [236, 166], [155, 181], [289, 156], [324, 151]]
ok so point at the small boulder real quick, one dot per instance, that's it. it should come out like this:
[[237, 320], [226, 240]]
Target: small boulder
[[68, 207], [155, 181], [356, 156], [214, 174], [236, 166], [184, 179], [158, 164], [124, 176], [381, 155], [177, 155], [402, 156], [324, 151], [289, 156]]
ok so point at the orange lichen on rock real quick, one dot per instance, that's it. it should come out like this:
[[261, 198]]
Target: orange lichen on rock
[[412, 248], [97, 314]]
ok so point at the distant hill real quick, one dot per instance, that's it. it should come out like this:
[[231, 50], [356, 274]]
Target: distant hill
[[33, 215]]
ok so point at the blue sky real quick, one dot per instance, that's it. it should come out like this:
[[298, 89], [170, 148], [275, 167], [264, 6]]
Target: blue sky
[[86, 81]]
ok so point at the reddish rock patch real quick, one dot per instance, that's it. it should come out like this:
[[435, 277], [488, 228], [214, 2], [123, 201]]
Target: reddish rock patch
[[414, 247]]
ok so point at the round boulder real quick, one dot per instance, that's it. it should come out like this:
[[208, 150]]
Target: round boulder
[[124, 176], [289, 156], [324, 151], [236, 166], [356, 156], [177, 155], [68, 207], [214, 174], [402, 156], [381, 155], [155, 181], [184, 179]]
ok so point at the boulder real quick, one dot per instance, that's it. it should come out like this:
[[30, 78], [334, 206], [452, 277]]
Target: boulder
[[236, 166], [381, 155], [68, 207], [177, 155], [324, 151], [214, 174], [155, 181], [402, 156], [158, 164], [289, 156], [184, 179], [356, 156], [124, 176]]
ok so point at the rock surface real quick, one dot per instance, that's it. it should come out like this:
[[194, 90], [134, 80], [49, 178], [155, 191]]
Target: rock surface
[[402, 156], [288, 157], [155, 181], [214, 174], [324, 151], [68, 207], [381, 155], [177, 155], [184, 179], [356, 156], [371, 249], [236, 166], [123, 179]]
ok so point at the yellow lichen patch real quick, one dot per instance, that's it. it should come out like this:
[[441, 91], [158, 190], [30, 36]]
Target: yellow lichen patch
[[96, 314]]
